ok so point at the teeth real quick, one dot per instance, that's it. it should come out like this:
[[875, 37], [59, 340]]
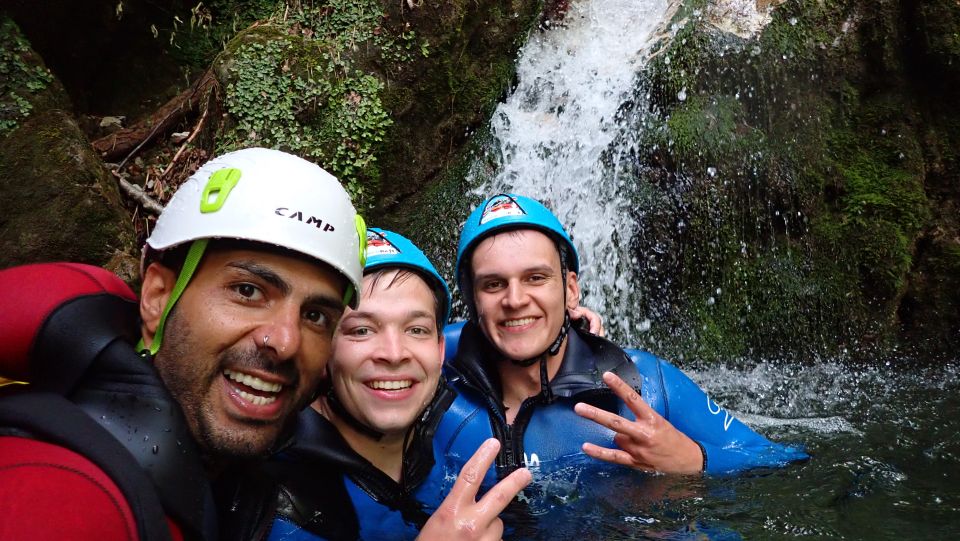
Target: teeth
[[253, 381], [257, 400], [518, 322], [390, 385]]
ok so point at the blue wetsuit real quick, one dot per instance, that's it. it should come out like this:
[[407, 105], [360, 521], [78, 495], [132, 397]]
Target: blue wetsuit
[[547, 435], [321, 489]]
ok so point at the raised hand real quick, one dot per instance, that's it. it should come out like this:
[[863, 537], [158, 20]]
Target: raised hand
[[593, 319], [460, 516], [650, 443]]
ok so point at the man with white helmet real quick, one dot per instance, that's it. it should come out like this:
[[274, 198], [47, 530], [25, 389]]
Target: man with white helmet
[[245, 276], [364, 462]]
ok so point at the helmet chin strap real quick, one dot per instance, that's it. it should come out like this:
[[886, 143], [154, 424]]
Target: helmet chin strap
[[562, 334], [354, 423], [554, 346]]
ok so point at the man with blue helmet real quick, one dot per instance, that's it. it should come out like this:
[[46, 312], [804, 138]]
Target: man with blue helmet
[[552, 393], [364, 451]]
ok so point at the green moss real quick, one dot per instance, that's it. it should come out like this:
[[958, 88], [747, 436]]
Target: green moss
[[59, 202], [677, 69], [296, 86], [702, 132], [23, 77], [198, 35]]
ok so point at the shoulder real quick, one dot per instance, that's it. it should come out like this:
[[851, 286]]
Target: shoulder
[[46, 490]]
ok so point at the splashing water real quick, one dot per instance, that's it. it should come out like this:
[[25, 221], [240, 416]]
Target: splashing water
[[552, 133], [885, 438]]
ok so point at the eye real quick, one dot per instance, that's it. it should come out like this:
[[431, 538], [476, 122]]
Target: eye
[[360, 331], [248, 291], [319, 318], [537, 278], [492, 285], [421, 330]]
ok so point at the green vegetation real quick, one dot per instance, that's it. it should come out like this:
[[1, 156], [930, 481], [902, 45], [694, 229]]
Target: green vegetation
[[196, 37], [805, 157], [301, 83], [22, 77], [286, 93]]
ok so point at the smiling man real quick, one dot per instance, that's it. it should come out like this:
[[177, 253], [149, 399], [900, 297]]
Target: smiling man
[[554, 394], [362, 466], [245, 276]]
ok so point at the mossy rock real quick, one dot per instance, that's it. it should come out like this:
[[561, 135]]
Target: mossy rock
[[810, 168], [26, 85], [379, 94], [57, 200]]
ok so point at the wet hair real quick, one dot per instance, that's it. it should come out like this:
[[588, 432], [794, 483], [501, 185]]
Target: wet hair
[[401, 275]]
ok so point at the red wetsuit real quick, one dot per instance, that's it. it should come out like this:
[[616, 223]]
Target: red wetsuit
[[64, 474]]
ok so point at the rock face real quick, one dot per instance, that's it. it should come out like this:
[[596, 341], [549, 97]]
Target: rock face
[[380, 93], [815, 168], [57, 200]]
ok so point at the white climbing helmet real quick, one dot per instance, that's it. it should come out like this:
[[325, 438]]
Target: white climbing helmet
[[268, 196]]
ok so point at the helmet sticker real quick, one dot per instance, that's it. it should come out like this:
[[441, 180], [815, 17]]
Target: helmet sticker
[[218, 188], [379, 245], [500, 206]]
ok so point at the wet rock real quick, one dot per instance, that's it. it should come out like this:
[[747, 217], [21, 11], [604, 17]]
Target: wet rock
[[833, 222], [58, 202]]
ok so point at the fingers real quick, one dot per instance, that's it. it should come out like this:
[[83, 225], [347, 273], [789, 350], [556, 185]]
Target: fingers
[[637, 405], [471, 475], [594, 321], [612, 421], [613, 456], [497, 498]]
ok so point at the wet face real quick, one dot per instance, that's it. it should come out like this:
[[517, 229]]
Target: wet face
[[519, 292], [246, 345], [388, 353]]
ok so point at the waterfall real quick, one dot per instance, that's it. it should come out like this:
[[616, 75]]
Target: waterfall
[[553, 137]]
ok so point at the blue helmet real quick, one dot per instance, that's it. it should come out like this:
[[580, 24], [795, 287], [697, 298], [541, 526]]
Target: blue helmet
[[389, 249], [505, 212]]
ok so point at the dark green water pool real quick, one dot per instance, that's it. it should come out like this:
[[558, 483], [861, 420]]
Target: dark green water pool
[[885, 442]]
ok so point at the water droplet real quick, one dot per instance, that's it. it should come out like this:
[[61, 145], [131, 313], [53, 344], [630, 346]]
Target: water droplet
[[682, 95], [155, 449], [711, 301]]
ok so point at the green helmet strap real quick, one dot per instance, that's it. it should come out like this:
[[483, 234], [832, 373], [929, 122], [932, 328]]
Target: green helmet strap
[[190, 265]]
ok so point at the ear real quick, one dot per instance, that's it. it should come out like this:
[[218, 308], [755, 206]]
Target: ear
[[573, 290], [443, 348], [158, 282]]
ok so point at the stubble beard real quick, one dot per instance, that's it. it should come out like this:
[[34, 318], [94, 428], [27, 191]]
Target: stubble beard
[[190, 381]]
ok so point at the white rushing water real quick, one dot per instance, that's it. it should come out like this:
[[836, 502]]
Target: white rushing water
[[551, 134]]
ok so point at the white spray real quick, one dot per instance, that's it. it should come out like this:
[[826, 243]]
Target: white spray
[[551, 134]]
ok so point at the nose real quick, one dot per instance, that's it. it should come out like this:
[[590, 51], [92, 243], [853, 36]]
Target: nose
[[514, 295], [390, 346], [280, 333]]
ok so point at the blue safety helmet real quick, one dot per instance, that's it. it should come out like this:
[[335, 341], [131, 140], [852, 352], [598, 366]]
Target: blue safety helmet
[[506, 212], [390, 249]]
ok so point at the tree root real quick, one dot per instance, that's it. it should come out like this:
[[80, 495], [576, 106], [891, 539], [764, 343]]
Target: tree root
[[127, 142], [137, 194]]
